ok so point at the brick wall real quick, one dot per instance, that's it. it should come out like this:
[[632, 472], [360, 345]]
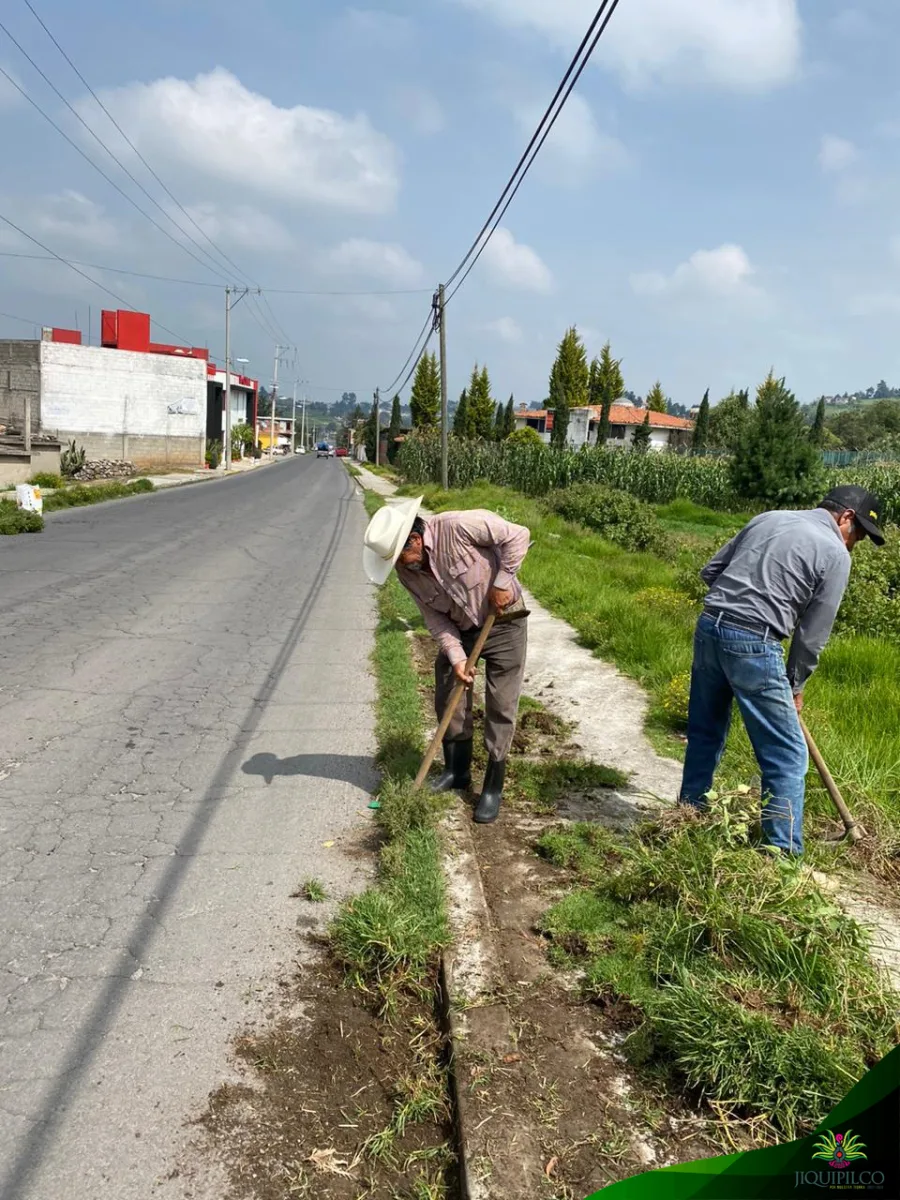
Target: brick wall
[[20, 376]]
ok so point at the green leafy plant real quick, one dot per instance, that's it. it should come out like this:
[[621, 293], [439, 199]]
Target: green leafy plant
[[16, 520], [526, 436], [615, 515], [47, 479], [213, 453], [72, 459]]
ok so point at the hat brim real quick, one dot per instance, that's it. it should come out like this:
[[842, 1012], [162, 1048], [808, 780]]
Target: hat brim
[[378, 569], [871, 529]]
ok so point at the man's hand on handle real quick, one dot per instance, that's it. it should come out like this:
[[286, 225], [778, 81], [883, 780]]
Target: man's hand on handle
[[463, 675], [500, 598], [798, 702]]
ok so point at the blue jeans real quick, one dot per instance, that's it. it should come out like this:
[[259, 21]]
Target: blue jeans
[[732, 663]]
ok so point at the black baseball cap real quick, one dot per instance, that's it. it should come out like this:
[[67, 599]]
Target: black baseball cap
[[865, 504]]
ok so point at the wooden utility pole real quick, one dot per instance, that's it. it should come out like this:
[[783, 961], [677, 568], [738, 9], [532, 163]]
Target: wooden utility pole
[[441, 316]]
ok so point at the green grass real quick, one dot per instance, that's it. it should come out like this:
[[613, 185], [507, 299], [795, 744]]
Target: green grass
[[312, 890], [47, 479], [388, 937], [743, 980], [79, 495], [628, 609], [15, 520]]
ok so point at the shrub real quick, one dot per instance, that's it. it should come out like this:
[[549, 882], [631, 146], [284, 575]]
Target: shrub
[[687, 573], [72, 459], [774, 461], [213, 454], [871, 604], [615, 515], [667, 602], [16, 520], [47, 479], [525, 437], [675, 697]]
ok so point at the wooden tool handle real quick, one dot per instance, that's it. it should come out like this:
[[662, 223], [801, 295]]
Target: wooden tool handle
[[854, 831], [455, 697]]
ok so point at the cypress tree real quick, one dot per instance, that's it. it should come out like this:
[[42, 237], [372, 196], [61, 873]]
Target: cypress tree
[[500, 423], [817, 433], [700, 440], [640, 443], [569, 383], [481, 405], [776, 462], [394, 429], [461, 419], [656, 399], [606, 387], [425, 398], [509, 425]]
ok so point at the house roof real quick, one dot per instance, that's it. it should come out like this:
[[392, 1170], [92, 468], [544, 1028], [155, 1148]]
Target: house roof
[[621, 414]]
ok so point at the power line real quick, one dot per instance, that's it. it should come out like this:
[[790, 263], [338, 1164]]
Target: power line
[[84, 275], [140, 156], [101, 172], [571, 77], [429, 321], [24, 320]]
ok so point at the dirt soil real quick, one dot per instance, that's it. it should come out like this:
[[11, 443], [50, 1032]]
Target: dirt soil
[[312, 1087]]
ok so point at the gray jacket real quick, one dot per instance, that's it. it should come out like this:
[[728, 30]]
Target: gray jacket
[[785, 572]]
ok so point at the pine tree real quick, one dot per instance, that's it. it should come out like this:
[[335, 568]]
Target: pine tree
[[481, 405], [569, 383], [461, 420], [500, 423], [640, 442], [509, 423], [700, 440], [371, 431], [395, 428], [656, 398], [728, 421], [425, 398], [817, 433], [776, 462], [606, 387]]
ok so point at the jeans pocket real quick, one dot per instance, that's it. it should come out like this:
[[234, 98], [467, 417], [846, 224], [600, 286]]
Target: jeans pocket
[[749, 669]]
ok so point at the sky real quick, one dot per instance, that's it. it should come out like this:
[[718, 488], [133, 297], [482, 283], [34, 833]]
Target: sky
[[718, 198]]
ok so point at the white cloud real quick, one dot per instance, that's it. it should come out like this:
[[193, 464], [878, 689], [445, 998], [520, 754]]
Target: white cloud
[[216, 126], [506, 329], [241, 225], [836, 154], [724, 272], [513, 264], [70, 220], [384, 261], [576, 141], [737, 44]]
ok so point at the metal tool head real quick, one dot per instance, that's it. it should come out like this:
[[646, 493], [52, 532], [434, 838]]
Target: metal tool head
[[514, 612]]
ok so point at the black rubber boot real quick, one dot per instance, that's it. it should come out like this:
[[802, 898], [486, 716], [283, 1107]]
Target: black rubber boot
[[488, 807], [457, 773]]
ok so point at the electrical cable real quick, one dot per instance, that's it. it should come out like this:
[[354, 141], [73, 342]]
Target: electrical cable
[[24, 320], [612, 5], [84, 275], [429, 320], [597, 17]]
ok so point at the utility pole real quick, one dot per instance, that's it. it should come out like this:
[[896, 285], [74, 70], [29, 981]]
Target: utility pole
[[303, 423], [294, 422], [278, 350], [442, 318], [228, 307], [377, 423]]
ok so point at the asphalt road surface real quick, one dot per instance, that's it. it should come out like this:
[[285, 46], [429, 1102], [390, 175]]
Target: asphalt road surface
[[186, 733]]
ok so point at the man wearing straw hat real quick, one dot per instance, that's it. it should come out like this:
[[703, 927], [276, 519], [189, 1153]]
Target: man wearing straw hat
[[459, 567]]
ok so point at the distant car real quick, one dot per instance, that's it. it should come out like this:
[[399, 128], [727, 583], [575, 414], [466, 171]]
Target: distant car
[[323, 450], [341, 452]]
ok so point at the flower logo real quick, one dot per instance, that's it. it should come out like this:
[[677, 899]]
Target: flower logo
[[839, 1149]]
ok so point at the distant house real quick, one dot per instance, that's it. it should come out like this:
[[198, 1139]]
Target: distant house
[[666, 432]]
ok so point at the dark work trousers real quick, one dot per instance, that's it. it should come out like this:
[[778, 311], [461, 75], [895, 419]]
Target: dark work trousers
[[504, 660]]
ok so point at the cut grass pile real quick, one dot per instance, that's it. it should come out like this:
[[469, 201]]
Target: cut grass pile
[[633, 609], [737, 974], [388, 938]]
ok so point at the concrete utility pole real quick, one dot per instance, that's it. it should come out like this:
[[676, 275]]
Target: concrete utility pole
[[294, 421], [228, 307], [441, 316], [377, 423], [278, 350], [303, 423]]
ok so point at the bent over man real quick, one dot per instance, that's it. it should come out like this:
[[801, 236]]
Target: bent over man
[[459, 567], [783, 575]]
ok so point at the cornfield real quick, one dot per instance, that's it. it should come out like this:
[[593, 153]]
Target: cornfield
[[656, 478]]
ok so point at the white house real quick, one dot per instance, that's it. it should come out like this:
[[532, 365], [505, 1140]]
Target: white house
[[666, 432]]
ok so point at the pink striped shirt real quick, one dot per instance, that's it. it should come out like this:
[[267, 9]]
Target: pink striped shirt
[[468, 554]]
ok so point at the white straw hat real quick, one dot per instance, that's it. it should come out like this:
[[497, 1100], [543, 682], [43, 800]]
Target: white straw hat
[[386, 537]]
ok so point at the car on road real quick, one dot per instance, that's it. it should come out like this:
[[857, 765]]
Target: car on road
[[341, 452], [323, 450]]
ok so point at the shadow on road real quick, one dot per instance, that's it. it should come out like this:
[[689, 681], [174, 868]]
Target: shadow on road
[[350, 768]]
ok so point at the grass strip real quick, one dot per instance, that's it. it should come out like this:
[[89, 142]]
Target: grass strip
[[388, 938], [636, 609], [742, 980], [78, 496]]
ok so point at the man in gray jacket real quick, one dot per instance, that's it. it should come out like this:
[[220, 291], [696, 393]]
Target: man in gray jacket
[[783, 576]]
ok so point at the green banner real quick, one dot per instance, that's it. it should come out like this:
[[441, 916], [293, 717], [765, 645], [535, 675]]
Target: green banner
[[854, 1152]]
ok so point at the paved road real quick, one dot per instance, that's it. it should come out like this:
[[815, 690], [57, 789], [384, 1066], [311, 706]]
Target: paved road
[[185, 721]]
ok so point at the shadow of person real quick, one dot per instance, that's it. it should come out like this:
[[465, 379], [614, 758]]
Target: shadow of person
[[355, 769]]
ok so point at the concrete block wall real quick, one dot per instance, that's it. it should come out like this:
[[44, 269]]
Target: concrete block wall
[[116, 403], [20, 377]]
